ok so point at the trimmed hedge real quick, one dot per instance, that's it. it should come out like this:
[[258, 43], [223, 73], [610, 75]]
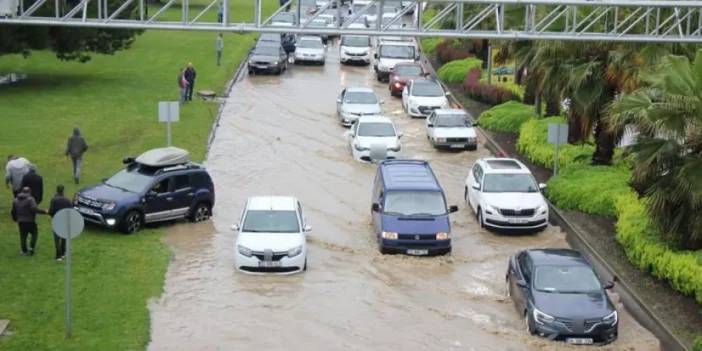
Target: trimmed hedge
[[507, 117], [429, 45], [533, 143], [590, 189], [453, 49], [643, 247], [455, 71]]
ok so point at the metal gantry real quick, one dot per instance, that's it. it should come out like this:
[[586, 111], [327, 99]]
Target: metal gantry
[[587, 20]]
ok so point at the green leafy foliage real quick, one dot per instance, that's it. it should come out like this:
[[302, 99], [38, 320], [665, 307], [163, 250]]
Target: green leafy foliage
[[697, 344], [590, 189], [507, 117], [533, 143], [455, 71], [643, 247], [429, 45]]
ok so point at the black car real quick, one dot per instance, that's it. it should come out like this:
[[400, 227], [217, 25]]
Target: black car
[[560, 296], [160, 185], [268, 57]]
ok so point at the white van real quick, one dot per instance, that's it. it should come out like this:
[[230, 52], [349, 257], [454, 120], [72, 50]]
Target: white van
[[391, 52]]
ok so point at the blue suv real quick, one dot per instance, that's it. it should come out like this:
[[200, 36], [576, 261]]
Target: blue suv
[[409, 209], [159, 185]]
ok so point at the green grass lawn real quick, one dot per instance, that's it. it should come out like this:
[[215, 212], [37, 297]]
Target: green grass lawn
[[113, 99]]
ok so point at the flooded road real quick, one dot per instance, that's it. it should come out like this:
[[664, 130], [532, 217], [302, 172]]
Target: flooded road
[[281, 136]]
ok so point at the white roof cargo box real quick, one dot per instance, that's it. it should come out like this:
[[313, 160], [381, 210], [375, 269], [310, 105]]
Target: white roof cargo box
[[165, 156]]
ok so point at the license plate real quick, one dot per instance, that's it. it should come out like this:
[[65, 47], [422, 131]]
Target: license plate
[[579, 341], [417, 252], [269, 264], [516, 220], [261, 66], [85, 210], [457, 146]]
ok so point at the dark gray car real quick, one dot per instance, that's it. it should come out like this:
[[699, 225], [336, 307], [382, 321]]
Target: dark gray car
[[268, 57]]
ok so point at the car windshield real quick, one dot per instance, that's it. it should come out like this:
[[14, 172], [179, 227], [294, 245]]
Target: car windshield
[[310, 44], [376, 129], [449, 121], [509, 183], [285, 17], [360, 97], [408, 71], [566, 279], [266, 221], [397, 51], [133, 181], [266, 50], [415, 203], [428, 89], [355, 41]]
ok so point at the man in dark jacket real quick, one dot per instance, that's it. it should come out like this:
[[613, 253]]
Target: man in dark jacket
[[35, 183], [190, 75], [24, 211], [76, 147], [59, 202]]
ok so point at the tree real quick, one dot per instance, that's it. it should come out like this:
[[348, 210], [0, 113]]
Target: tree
[[68, 43], [667, 113]]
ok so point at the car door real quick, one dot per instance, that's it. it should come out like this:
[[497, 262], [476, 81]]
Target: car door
[[183, 195], [158, 201], [339, 101], [353, 134], [475, 187], [521, 273], [430, 125], [377, 197]]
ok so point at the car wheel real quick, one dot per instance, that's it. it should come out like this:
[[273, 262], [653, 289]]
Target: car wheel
[[132, 222], [508, 293], [466, 198], [481, 222], [201, 213], [304, 268], [528, 323], [251, 72]]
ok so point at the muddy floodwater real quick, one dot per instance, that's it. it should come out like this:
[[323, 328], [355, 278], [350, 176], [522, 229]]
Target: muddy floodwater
[[279, 135]]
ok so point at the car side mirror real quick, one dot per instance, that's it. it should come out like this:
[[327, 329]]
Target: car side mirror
[[476, 186], [307, 229], [382, 102], [542, 186], [426, 74], [375, 55], [375, 207], [430, 125], [474, 123], [151, 194], [608, 285], [234, 227], [521, 283], [400, 134], [453, 208], [448, 93], [338, 100]]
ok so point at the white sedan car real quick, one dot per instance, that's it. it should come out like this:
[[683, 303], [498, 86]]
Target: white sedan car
[[310, 48], [422, 96], [374, 132], [271, 236], [451, 128], [355, 102]]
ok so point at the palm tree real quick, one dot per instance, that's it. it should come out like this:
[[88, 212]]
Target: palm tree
[[667, 113]]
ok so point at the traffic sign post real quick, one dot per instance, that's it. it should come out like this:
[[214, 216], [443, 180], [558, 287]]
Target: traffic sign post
[[557, 135], [68, 224], [168, 111]]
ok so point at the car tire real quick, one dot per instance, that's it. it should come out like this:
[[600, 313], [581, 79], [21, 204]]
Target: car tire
[[304, 268], [481, 221], [528, 323], [251, 72], [132, 222], [384, 250], [377, 76], [201, 212], [466, 198], [473, 147]]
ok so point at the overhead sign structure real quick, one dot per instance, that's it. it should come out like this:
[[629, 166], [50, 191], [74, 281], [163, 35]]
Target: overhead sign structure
[[68, 224], [557, 135], [168, 112]]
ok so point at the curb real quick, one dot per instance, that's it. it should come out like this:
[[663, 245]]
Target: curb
[[631, 301]]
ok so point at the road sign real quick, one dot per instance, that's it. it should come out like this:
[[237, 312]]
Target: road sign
[[68, 224], [168, 112], [557, 135]]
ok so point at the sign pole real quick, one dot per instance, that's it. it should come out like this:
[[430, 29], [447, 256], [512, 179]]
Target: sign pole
[[168, 130], [555, 154], [68, 279]]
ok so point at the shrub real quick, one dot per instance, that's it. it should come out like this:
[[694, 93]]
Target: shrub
[[697, 344], [533, 143], [642, 244], [507, 117], [429, 45], [590, 189], [452, 49], [489, 94], [455, 71]]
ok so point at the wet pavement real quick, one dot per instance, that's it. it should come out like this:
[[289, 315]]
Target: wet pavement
[[279, 135]]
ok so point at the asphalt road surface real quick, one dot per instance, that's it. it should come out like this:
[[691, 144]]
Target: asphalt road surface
[[279, 135]]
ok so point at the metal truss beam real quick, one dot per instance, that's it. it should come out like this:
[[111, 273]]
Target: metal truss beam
[[581, 20]]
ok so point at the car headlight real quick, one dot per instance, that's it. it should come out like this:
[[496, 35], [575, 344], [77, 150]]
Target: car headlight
[[108, 206], [490, 210], [442, 236], [413, 104], [295, 251], [360, 148], [611, 319], [543, 209], [440, 140], [389, 235], [398, 85], [542, 318], [395, 149], [251, 62], [275, 62], [244, 250]]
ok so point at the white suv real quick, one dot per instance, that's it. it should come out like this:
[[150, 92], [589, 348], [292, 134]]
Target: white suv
[[504, 195], [271, 236]]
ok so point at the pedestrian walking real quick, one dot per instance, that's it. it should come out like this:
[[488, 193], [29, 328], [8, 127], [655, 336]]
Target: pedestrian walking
[[58, 203], [220, 11], [183, 85], [76, 147], [190, 75], [15, 169], [24, 211], [35, 183], [219, 46]]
